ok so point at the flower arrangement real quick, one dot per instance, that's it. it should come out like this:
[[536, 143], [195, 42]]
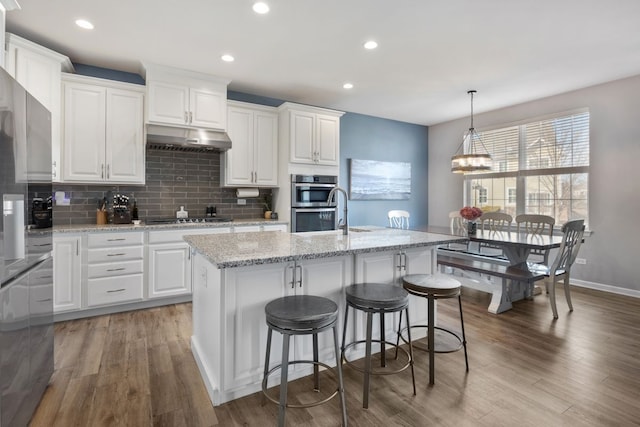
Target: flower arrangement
[[470, 213]]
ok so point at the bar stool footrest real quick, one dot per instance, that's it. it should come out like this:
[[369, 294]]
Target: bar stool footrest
[[373, 371], [439, 348], [306, 405]]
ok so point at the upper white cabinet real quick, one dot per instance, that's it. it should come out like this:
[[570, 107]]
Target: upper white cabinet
[[103, 132], [312, 134], [39, 70], [185, 98], [253, 158]]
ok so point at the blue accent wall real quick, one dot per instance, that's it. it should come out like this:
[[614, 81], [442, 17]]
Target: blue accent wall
[[107, 73], [373, 138]]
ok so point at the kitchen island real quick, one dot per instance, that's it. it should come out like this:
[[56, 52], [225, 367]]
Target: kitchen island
[[236, 275]]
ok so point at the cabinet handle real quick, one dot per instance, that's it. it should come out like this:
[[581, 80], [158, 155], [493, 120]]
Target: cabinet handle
[[116, 240], [44, 300], [77, 247], [48, 276], [108, 170], [190, 117], [404, 261], [293, 276], [116, 290], [55, 170], [44, 244], [102, 171], [120, 254], [299, 281], [399, 264], [186, 117], [116, 269]]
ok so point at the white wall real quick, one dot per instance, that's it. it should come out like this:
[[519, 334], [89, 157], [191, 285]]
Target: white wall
[[613, 248]]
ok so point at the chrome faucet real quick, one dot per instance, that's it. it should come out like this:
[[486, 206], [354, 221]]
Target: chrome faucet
[[331, 196]]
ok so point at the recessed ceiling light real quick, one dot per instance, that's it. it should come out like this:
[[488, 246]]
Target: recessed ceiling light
[[348, 85], [227, 58], [260, 7], [370, 45], [83, 23]]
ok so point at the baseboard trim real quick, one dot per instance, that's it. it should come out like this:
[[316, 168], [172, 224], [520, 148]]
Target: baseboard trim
[[605, 288]]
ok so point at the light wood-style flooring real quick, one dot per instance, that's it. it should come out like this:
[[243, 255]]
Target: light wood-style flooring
[[136, 369]]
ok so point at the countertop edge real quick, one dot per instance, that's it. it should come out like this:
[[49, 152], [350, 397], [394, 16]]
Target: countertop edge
[[80, 228]]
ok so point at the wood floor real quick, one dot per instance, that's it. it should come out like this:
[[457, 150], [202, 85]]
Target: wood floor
[[136, 369]]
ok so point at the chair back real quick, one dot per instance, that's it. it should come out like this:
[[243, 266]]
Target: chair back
[[568, 252], [398, 219], [536, 224], [495, 221], [456, 222]]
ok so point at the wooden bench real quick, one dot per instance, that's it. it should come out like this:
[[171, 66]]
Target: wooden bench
[[501, 293]]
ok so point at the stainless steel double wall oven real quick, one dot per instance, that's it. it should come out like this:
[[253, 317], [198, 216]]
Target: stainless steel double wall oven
[[309, 208]]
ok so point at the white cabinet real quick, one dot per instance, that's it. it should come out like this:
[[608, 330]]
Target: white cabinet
[[390, 267], [184, 98], [253, 158], [115, 266], [169, 260], [67, 272], [39, 70], [248, 289], [311, 134], [103, 135]]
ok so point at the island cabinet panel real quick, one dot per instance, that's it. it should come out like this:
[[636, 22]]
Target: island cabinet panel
[[390, 267]]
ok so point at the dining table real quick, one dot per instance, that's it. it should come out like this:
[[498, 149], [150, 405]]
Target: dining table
[[516, 247]]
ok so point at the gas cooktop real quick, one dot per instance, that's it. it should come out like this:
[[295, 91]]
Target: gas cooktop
[[187, 220]]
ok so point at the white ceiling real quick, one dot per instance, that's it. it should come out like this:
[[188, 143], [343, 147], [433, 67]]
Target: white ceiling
[[430, 52]]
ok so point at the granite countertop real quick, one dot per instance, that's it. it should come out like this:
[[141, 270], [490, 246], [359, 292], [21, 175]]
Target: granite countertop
[[245, 249], [78, 228]]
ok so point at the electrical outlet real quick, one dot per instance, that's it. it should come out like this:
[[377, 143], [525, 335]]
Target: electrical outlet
[[242, 201], [581, 261]]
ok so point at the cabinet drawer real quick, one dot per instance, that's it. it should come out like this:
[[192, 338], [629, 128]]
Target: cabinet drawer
[[115, 254], [111, 290], [115, 268], [97, 240], [172, 236]]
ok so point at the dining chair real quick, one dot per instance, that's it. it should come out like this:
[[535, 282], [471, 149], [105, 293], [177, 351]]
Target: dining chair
[[539, 225], [494, 222], [398, 219], [573, 232], [457, 226]]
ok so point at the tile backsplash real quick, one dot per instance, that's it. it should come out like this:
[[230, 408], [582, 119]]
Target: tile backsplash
[[174, 179]]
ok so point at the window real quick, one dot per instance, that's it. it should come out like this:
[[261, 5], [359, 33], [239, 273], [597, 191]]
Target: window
[[540, 167]]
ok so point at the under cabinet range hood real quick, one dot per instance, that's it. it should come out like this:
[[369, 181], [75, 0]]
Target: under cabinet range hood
[[185, 139]]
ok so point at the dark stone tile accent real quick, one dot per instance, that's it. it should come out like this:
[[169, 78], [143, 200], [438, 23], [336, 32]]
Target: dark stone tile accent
[[173, 179]]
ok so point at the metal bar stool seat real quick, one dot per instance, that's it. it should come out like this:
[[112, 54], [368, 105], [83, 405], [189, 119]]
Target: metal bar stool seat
[[433, 287], [301, 315], [376, 298]]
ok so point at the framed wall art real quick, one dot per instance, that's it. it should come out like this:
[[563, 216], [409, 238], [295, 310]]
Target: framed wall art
[[375, 180]]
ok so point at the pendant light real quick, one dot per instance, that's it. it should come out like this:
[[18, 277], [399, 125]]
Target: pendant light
[[471, 156]]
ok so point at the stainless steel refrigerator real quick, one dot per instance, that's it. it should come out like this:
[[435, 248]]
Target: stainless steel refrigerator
[[26, 270]]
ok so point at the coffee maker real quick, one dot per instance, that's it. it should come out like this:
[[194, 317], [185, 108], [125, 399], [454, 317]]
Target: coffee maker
[[42, 212]]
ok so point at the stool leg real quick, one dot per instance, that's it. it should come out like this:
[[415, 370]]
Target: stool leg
[[464, 338], [383, 354], [316, 384], [367, 361], [399, 333], [344, 331], [343, 403], [413, 374], [266, 366], [431, 340], [284, 378]]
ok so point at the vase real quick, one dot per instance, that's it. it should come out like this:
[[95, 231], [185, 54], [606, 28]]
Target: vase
[[472, 227]]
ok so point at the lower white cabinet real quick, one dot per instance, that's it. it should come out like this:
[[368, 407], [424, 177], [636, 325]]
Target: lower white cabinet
[[248, 289], [390, 267], [115, 268], [169, 260], [67, 273]]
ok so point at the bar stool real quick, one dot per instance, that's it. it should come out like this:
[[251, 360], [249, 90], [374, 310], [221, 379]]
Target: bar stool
[[301, 315], [433, 287], [377, 298]]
